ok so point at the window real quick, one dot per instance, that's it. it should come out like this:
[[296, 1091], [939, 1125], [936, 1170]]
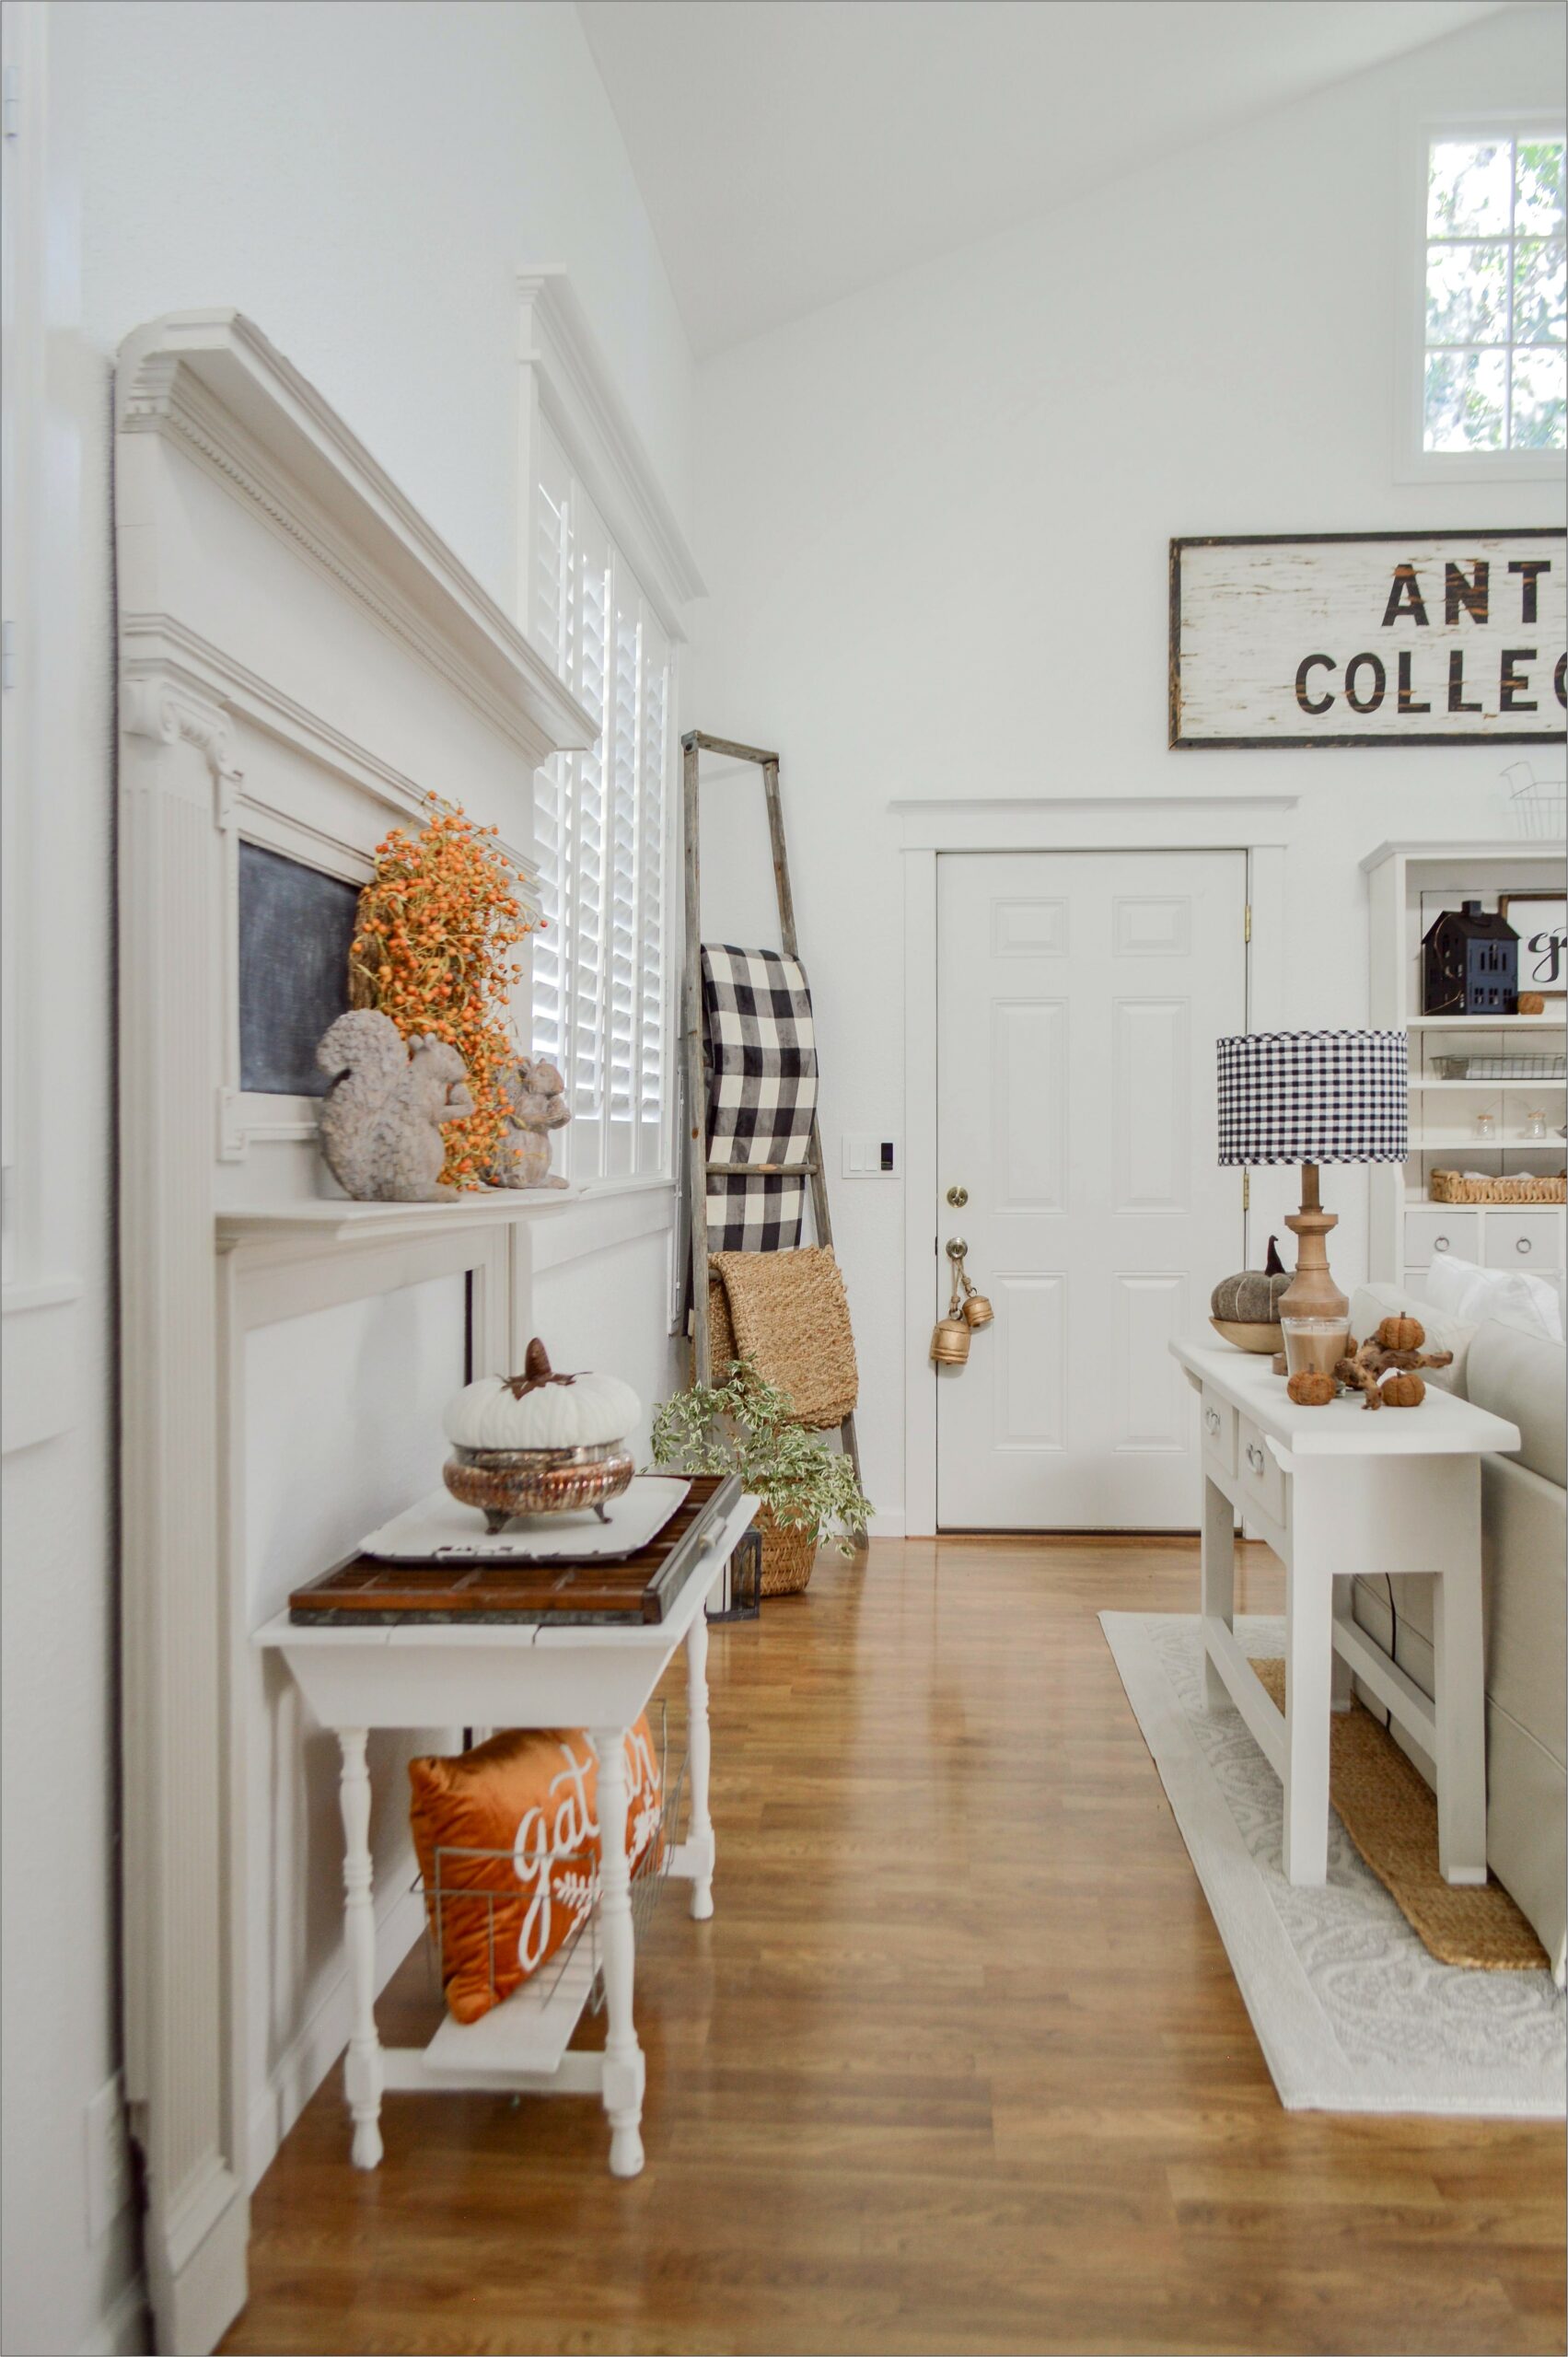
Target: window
[[600, 964], [1493, 361]]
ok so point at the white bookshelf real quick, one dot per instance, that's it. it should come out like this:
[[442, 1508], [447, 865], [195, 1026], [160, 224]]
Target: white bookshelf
[[1408, 885]]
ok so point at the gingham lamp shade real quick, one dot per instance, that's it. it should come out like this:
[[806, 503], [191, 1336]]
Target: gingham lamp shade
[[1313, 1096]]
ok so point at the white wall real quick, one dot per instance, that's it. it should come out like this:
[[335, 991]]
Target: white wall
[[364, 179], [934, 524]]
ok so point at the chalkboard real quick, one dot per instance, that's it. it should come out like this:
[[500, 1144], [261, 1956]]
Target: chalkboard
[[295, 925]]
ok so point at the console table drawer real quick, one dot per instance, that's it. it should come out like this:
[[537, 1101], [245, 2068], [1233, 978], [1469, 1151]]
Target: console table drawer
[[1257, 1472], [1219, 1419]]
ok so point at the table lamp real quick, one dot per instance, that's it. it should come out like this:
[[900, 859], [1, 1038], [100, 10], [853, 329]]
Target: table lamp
[[1313, 1096]]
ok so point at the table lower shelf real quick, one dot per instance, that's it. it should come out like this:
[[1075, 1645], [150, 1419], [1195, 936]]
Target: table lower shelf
[[523, 2045]]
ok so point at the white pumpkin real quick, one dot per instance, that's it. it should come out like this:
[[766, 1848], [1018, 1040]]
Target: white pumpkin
[[542, 1409]]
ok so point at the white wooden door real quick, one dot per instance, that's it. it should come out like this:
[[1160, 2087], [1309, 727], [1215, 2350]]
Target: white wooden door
[[1080, 997]]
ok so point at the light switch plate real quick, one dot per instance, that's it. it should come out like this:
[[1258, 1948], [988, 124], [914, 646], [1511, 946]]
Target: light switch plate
[[872, 1157]]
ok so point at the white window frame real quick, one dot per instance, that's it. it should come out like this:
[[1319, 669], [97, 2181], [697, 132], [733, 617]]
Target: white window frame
[[1413, 464], [572, 415]]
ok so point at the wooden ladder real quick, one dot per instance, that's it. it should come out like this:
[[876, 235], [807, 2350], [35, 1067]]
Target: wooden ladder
[[693, 744]]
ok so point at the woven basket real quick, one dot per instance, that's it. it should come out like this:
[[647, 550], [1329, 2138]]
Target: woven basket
[[789, 1551], [1453, 1187], [787, 1313]]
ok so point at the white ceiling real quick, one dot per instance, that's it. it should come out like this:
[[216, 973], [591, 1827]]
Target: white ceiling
[[793, 151]]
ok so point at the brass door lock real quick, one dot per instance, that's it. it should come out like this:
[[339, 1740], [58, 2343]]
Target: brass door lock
[[958, 1197]]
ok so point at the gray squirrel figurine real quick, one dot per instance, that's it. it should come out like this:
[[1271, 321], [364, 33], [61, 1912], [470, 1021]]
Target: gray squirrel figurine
[[381, 1118], [536, 1104]]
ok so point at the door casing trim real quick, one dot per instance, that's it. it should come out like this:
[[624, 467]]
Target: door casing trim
[[1257, 825]]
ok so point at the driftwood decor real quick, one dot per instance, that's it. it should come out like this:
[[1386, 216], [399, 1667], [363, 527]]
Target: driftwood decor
[[1376, 638]]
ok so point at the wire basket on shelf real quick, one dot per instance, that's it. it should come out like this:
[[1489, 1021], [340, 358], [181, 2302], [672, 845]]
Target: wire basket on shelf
[[1547, 1067], [649, 1881], [1539, 805]]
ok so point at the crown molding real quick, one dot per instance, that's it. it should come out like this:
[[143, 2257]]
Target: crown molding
[[210, 383], [578, 398]]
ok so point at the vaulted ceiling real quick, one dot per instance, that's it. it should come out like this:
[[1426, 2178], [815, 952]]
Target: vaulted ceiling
[[794, 151]]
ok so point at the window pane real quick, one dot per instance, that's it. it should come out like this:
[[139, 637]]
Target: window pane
[[1468, 188], [1464, 401], [1538, 203], [1467, 294], [1540, 398], [1539, 283]]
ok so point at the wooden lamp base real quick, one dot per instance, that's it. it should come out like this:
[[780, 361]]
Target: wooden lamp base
[[1312, 1292]]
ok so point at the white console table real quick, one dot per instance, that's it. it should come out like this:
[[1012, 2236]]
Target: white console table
[[1337, 1491], [528, 1674]]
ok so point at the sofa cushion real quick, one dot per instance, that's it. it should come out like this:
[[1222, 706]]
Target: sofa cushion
[[1465, 1290], [1520, 1376], [1371, 1304]]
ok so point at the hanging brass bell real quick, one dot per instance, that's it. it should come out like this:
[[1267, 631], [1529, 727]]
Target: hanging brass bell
[[949, 1343], [977, 1310]]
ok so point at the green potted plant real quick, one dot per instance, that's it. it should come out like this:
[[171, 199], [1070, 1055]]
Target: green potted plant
[[745, 1425]]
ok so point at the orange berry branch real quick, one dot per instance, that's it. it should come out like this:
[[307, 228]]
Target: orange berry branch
[[432, 946]]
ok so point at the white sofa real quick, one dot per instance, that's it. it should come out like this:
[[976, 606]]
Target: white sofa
[[1519, 1376]]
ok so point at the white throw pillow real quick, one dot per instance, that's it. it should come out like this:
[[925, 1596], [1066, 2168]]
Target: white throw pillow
[[1467, 1292]]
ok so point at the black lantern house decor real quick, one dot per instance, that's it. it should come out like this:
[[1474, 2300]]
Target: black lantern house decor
[[1471, 963]]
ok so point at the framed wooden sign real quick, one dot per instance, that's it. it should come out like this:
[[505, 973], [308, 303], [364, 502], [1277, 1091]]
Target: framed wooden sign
[[1369, 638]]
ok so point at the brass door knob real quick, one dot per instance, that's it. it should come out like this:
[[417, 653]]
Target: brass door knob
[[956, 1247]]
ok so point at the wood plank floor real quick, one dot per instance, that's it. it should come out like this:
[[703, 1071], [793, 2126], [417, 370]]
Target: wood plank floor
[[959, 2064]]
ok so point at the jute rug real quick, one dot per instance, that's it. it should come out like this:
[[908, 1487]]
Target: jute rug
[[1351, 2010], [1390, 1813]]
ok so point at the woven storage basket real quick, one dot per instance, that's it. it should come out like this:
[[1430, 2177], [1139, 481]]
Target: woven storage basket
[[1453, 1187], [789, 1551], [787, 1313]]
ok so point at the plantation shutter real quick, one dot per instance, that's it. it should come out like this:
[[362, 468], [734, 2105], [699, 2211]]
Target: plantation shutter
[[653, 807], [552, 607], [600, 984], [585, 1074]]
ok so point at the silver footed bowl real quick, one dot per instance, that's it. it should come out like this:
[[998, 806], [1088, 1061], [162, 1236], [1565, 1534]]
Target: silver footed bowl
[[502, 1483]]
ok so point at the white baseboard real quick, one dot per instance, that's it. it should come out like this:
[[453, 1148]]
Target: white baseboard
[[306, 2062], [123, 2332], [885, 1525]]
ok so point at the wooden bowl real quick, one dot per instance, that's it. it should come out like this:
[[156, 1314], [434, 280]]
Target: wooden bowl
[[1249, 1337]]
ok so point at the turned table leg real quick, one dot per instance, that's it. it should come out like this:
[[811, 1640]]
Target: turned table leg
[[361, 2066], [623, 2067], [699, 1840]]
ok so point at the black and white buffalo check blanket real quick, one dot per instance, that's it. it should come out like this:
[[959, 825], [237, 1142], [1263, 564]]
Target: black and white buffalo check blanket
[[760, 1047]]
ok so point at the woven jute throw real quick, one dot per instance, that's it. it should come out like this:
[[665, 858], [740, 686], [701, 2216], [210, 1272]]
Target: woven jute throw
[[1390, 1813], [787, 1313]]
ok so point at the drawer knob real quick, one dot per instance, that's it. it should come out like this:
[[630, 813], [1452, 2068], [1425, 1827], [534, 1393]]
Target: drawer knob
[[1212, 1418], [1522, 1244], [1440, 1244], [1254, 1457]]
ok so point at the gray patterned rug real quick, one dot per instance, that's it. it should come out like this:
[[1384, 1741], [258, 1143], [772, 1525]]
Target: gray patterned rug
[[1351, 2013]]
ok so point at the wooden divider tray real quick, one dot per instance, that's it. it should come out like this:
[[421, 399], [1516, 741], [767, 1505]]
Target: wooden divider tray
[[363, 1592]]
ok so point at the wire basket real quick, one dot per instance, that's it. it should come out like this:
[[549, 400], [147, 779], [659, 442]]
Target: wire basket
[[1499, 1067], [1539, 805], [648, 1888]]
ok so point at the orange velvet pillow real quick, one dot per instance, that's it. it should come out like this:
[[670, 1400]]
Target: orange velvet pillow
[[531, 1795]]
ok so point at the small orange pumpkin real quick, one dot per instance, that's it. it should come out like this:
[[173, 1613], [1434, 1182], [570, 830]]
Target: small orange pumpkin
[[1404, 1390], [1310, 1389], [1400, 1334]]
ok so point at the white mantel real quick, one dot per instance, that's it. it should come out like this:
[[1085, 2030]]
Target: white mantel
[[301, 661]]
